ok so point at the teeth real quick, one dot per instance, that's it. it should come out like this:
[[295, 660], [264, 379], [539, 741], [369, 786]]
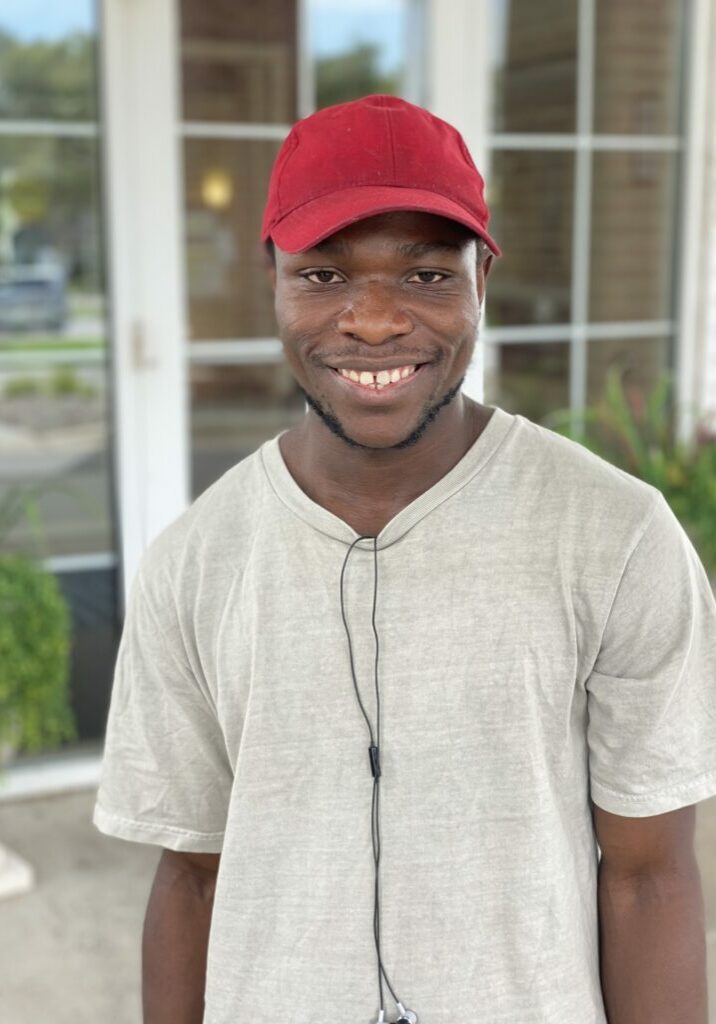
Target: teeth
[[378, 380]]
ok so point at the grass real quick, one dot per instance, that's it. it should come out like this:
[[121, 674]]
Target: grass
[[45, 342]]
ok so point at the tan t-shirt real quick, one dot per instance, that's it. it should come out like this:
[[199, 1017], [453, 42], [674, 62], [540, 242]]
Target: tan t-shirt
[[546, 632]]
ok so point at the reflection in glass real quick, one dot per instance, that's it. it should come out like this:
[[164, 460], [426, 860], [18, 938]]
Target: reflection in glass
[[49, 230], [633, 247], [225, 189], [54, 441], [234, 410], [638, 66], [533, 55], [640, 360], [239, 61], [53, 385], [55, 480], [357, 48], [47, 71], [531, 206], [530, 379]]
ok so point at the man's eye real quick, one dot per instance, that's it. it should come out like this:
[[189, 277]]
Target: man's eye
[[428, 276], [321, 276]]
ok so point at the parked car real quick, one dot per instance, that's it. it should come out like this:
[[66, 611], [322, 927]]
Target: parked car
[[33, 296]]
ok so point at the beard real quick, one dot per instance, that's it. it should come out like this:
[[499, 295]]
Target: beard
[[336, 427]]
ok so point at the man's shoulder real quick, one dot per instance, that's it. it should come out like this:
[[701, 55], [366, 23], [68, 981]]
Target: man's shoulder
[[215, 528], [580, 486]]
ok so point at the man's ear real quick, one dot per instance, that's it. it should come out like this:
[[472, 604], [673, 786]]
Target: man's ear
[[269, 266], [482, 271]]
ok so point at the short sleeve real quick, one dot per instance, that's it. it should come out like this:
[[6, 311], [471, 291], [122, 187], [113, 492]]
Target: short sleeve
[[651, 695], [165, 775]]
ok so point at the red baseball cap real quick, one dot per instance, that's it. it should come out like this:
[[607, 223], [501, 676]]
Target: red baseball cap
[[372, 155]]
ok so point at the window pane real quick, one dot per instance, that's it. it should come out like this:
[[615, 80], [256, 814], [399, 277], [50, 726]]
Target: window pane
[[358, 47], [53, 436], [638, 66], [531, 205], [528, 378], [234, 410], [228, 290], [533, 50], [642, 361], [47, 63], [632, 250], [239, 61], [53, 377]]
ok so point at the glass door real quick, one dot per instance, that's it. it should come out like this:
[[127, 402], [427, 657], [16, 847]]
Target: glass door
[[56, 494]]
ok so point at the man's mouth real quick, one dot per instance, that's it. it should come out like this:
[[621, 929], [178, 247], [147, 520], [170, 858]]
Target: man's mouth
[[379, 380]]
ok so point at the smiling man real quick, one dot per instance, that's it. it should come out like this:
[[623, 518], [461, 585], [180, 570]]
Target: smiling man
[[419, 698]]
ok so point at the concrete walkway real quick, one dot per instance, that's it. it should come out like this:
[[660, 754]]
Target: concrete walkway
[[72, 947]]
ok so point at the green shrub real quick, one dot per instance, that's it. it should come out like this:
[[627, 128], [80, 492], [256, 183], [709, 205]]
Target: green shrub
[[34, 655], [637, 434], [16, 387], [66, 381], [35, 635]]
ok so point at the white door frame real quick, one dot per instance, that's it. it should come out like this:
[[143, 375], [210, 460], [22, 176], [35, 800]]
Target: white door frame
[[458, 74], [143, 219]]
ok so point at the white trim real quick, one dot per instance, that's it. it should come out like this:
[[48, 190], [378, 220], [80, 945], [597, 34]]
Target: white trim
[[458, 70], [221, 130], [706, 329], [81, 563], [249, 351], [143, 192], [592, 332], [692, 294], [70, 129], [52, 775], [458, 80], [584, 140], [305, 65], [582, 215], [415, 84]]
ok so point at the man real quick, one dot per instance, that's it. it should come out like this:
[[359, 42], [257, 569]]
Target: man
[[539, 629]]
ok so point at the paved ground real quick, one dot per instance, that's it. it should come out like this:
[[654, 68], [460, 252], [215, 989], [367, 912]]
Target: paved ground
[[74, 942]]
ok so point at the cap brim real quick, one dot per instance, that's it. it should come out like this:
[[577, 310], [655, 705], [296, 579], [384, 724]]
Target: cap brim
[[315, 220]]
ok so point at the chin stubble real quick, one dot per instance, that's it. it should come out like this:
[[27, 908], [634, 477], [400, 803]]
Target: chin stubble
[[336, 427]]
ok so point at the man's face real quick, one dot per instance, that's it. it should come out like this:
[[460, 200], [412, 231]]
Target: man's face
[[391, 291]]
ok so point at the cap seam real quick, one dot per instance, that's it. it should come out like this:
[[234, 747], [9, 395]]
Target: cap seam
[[392, 141]]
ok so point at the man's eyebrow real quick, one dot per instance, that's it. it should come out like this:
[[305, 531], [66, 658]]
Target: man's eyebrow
[[416, 250], [335, 244]]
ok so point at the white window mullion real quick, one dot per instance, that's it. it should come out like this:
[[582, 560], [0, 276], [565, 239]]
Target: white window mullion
[[581, 226], [697, 234], [139, 69], [458, 91]]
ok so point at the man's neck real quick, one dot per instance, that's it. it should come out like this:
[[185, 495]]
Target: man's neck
[[368, 488]]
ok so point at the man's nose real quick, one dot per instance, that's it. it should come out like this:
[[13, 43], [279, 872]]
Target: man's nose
[[374, 315]]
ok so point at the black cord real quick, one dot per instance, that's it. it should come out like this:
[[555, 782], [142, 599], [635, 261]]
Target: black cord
[[375, 804]]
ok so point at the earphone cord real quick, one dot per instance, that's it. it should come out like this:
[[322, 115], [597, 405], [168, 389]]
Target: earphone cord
[[374, 749]]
